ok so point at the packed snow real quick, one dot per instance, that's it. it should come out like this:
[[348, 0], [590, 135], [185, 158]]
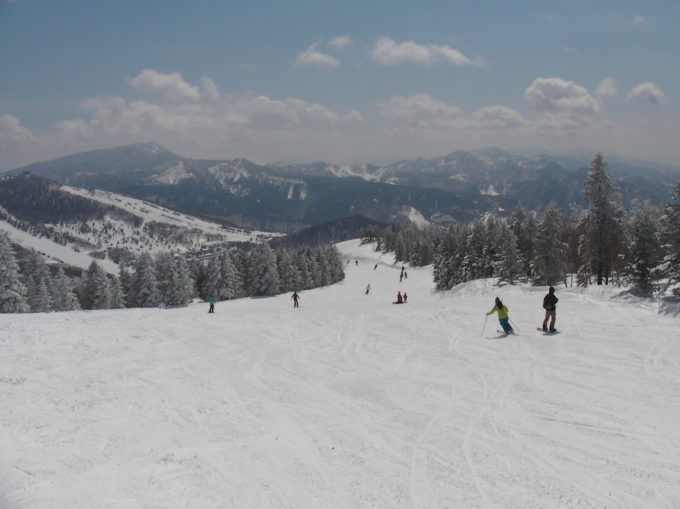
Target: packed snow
[[346, 402]]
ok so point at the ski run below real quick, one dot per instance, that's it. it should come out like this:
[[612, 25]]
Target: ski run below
[[346, 402]]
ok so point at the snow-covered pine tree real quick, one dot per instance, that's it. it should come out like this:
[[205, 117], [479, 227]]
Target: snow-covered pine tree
[[12, 290], [509, 265], [523, 225], [263, 275], [95, 292], [549, 262], [332, 254], [644, 253], [324, 267], [63, 297], [41, 300], [125, 280], [602, 227], [183, 285], [670, 238], [473, 264], [164, 268], [37, 280], [288, 271], [304, 278], [212, 283], [144, 289], [117, 300]]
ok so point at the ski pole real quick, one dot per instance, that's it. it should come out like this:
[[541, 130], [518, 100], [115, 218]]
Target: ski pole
[[515, 327], [484, 327]]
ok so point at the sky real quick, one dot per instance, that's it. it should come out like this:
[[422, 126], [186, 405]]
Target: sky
[[351, 81]]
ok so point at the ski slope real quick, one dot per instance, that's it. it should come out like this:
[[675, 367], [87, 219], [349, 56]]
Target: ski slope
[[347, 402]]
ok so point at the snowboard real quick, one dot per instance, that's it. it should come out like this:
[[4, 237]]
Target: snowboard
[[547, 332]]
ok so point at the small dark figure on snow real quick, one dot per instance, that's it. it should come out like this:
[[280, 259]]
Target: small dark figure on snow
[[405, 275], [405, 298], [356, 262], [211, 300], [375, 266], [296, 299], [368, 288], [550, 306], [400, 299], [503, 317], [401, 276]]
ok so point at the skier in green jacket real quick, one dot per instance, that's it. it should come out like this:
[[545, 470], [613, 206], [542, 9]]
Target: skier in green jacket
[[503, 317]]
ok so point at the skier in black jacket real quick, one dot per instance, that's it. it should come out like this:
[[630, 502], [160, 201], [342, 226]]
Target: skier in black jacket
[[550, 306]]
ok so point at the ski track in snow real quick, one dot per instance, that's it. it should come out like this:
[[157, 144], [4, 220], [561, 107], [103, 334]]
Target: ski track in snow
[[348, 401]]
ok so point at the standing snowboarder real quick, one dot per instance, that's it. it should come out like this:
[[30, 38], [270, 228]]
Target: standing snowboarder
[[550, 306], [211, 300], [400, 299], [296, 299], [503, 317], [405, 298], [368, 288]]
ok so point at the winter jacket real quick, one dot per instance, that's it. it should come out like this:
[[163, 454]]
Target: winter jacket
[[502, 312], [550, 302]]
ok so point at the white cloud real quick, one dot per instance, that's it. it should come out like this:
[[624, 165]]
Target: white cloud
[[557, 95], [640, 20], [11, 130], [209, 89], [171, 85], [341, 41], [498, 117], [647, 92], [314, 58], [606, 88], [388, 52], [421, 112]]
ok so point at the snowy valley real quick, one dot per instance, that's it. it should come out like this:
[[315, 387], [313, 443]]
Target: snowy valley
[[347, 401]]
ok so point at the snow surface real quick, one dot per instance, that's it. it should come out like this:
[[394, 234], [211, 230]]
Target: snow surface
[[347, 402], [55, 251]]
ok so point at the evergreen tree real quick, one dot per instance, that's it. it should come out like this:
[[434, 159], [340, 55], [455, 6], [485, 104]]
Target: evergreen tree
[[182, 282], [263, 275], [95, 292], [144, 288], [117, 298], [288, 271], [164, 268], [644, 253], [549, 262], [602, 227], [12, 290], [63, 297], [125, 280], [213, 283], [37, 279], [40, 300], [304, 278], [670, 238], [510, 263], [523, 225]]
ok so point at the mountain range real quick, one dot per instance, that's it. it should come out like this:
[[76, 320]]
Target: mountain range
[[287, 197]]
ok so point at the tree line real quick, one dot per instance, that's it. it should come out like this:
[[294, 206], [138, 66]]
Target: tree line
[[166, 279], [600, 244]]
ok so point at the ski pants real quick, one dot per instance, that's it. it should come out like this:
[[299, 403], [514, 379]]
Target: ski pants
[[549, 315], [505, 323]]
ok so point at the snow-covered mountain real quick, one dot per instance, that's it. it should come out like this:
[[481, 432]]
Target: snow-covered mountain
[[347, 401], [74, 225], [286, 197]]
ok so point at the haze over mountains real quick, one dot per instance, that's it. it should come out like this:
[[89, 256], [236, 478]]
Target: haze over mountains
[[287, 197]]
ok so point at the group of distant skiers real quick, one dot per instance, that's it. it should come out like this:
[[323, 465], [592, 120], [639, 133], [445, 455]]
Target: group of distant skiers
[[549, 304]]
